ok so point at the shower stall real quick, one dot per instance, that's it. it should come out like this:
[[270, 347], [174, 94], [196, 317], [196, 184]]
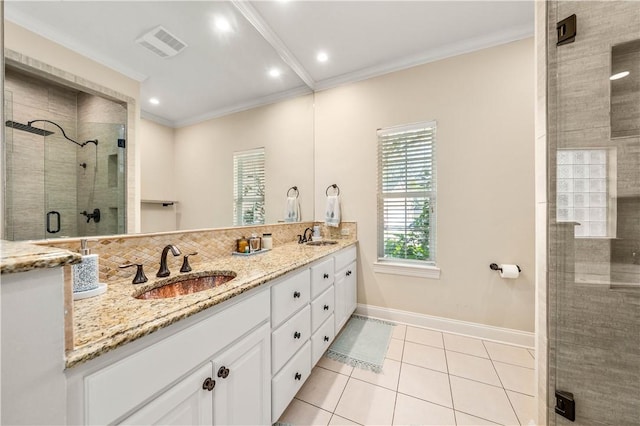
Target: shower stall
[[593, 262], [63, 161]]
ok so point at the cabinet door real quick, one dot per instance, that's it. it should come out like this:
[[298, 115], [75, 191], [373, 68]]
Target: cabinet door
[[186, 403], [351, 289], [243, 381]]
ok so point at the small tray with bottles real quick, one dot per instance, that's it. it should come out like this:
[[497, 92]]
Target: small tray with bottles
[[251, 253]]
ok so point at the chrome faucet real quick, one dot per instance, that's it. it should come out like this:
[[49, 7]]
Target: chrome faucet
[[164, 270]]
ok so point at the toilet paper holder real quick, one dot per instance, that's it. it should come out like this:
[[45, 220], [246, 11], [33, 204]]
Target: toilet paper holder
[[495, 267]]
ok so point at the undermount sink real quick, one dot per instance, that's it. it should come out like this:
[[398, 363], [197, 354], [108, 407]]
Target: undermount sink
[[321, 243], [188, 286]]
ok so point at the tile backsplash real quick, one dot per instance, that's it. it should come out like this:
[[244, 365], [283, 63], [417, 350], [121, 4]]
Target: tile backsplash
[[209, 243]]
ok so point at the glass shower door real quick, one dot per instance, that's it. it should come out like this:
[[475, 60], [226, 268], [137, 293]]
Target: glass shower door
[[594, 238]]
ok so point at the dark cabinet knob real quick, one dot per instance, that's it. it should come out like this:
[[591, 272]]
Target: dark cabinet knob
[[326, 338], [326, 276], [223, 372], [296, 335], [209, 384], [298, 376], [326, 307], [296, 294], [348, 273]]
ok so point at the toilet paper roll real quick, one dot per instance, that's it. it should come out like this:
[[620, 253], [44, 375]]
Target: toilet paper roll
[[509, 271]]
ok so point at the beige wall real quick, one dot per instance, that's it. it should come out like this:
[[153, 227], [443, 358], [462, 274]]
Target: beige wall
[[156, 176], [204, 161], [484, 106]]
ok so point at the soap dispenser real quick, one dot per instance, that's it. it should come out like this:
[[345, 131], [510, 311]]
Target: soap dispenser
[[85, 273]]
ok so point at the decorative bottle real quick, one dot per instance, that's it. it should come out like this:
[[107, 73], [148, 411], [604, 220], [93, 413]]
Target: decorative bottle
[[85, 273]]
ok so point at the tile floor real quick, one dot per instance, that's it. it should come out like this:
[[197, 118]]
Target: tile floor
[[428, 378]]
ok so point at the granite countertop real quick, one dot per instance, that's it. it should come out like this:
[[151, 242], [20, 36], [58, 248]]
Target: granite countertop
[[105, 322], [22, 257]]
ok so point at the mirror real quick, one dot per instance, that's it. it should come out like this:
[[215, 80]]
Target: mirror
[[183, 177]]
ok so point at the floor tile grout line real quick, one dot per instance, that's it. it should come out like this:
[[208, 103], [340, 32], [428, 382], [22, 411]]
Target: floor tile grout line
[[467, 353], [425, 400], [475, 415], [503, 389], [515, 365], [453, 403]]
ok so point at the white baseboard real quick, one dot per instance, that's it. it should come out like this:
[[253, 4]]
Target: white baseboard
[[471, 329]]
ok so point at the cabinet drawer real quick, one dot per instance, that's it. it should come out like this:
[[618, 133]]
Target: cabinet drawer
[[286, 383], [289, 296], [321, 340], [345, 257], [321, 277], [322, 308], [287, 339]]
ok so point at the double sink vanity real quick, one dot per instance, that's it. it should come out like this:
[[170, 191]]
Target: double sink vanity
[[236, 353]]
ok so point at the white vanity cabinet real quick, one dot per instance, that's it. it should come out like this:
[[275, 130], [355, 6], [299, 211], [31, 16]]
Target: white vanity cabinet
[[232, 389], [346, 282], [166, 379], [240, 362]]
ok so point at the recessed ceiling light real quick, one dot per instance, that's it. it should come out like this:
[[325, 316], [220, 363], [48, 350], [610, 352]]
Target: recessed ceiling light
[[154, 101], [322, 57], [274, 72], [222, 24], [619, 75]]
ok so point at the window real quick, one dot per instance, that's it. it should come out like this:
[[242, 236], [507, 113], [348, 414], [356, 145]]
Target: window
[[248, 187], [584, 187], [407, 193]]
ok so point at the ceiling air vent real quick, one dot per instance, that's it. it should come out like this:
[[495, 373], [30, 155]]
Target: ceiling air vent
[[162, 42]]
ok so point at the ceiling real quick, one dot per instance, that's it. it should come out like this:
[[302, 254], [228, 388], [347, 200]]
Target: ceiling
[[226, 71]]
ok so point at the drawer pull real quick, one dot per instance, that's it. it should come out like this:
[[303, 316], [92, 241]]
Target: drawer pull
[[326, 338], [298, 376], [348, 273], [209, 384], [296, 335], [326, 307], [326, 276], [223, 372], [296, 294]]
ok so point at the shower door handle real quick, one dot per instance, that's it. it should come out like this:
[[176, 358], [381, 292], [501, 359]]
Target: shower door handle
[[49, 215]]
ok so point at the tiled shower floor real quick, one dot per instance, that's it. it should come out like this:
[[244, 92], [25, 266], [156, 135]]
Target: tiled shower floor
[[428, 378]]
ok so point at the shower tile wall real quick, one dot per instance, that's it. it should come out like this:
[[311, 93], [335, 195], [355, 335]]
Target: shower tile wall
[[594, 327], [100, 185], [29, 197]]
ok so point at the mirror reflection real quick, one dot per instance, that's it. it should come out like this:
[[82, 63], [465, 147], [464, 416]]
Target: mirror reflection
[[167, 174], [64, 161]]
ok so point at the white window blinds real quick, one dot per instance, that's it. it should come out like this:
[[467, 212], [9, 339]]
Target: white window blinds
[[248, 187], [407, 192]]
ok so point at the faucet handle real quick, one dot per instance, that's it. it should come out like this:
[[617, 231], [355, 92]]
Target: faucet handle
[[185, 263], [140, 276]]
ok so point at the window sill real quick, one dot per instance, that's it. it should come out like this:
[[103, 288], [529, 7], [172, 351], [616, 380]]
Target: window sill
[[426, 271]]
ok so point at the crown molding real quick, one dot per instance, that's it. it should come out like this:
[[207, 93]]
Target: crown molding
[[239, 107], [448, 51]]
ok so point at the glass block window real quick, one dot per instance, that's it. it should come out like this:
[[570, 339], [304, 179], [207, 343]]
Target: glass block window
[[248, 187], [407, 193], [582, 191]]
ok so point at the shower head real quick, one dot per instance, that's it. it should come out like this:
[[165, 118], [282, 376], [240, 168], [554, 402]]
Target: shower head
[[28, 128]]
